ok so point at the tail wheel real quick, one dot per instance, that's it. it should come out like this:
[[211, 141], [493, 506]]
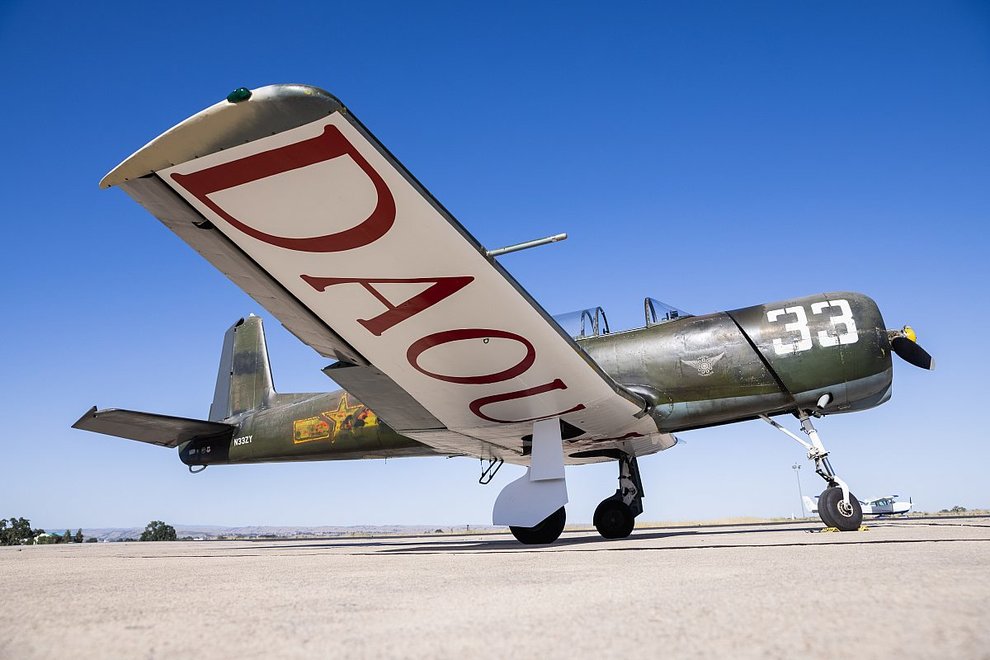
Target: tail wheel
[[835, 512], [546, 531], [613, 519]]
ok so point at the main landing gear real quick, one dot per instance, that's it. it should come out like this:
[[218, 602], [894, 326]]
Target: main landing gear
[[615, 517], [546, 531], [533, 505], [837, 507]]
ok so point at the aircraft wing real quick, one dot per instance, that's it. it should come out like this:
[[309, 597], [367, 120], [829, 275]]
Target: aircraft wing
[[286, 192]]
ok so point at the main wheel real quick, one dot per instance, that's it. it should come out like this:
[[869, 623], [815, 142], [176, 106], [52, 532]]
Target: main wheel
[[546, 531], [846, 517], [823, 512], [613, 519]]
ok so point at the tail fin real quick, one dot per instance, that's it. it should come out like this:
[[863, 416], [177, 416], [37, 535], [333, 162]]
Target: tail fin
[[810, 505], [244, 381]]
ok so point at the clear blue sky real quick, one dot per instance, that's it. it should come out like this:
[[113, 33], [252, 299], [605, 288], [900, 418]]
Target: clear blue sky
[[709, 154]]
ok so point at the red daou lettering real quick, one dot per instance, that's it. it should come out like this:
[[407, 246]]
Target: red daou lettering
[[556, 384], [326, 146], [436, 339], [442, 288]]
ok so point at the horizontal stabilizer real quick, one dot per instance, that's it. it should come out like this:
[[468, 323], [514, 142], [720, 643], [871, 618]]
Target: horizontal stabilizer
[[162, 430]]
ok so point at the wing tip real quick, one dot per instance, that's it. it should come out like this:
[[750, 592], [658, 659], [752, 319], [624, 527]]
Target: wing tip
[[271, 108], [89, 414]]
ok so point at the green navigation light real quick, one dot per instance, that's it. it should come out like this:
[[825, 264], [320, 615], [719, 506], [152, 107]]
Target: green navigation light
[[239, 94]]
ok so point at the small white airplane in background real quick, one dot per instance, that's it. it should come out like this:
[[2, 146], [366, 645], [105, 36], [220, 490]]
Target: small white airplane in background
[[881, 506]]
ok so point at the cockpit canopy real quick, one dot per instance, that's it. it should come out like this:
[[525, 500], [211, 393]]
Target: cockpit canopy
[[659, 312], [584, 323], [592, 322]]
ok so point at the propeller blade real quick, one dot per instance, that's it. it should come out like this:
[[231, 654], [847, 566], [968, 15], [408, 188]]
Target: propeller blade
[[910, 352]]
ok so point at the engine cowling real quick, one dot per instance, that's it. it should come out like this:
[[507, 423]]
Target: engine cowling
[[831, 344]]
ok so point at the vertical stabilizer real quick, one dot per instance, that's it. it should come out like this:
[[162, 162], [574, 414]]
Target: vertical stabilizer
[[244, 381]]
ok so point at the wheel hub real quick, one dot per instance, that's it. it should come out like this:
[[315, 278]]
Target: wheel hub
[[613, 519]]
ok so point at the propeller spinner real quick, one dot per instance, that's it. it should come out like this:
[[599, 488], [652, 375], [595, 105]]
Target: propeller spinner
[[904, 342]]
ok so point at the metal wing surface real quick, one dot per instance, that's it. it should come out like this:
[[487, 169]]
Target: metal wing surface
[[290, 196], [161, 430]]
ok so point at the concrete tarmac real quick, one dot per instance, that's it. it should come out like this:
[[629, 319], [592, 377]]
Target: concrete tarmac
[[902, 589]]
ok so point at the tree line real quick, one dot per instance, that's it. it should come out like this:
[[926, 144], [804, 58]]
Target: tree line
[[18, 531]]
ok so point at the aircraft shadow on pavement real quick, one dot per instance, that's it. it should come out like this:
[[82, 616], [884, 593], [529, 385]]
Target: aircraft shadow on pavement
[[587, 542], [584, 542], [594, 543]]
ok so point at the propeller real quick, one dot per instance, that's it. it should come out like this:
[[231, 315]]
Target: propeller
[[904, 342]]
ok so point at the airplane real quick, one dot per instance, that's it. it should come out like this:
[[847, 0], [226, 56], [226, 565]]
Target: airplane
[[881, 506], [439, 351]]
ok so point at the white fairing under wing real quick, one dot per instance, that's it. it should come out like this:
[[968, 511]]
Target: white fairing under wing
[[328, 214]]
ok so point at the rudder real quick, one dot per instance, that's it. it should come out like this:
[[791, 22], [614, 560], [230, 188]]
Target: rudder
[[244, 379]]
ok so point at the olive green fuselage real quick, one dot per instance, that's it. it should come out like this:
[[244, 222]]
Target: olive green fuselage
[[719, 368], [693, 372], [330, 426]]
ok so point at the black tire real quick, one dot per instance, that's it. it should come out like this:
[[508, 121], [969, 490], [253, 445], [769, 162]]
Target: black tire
[[846, 517], [823, 512], [546, 531], [613, 519]]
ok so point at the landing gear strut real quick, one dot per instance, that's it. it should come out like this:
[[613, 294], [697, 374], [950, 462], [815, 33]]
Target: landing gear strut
[[533, 505], [615, 517], [837, 507]]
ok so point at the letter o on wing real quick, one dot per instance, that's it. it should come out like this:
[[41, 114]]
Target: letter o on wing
[[436, 339]]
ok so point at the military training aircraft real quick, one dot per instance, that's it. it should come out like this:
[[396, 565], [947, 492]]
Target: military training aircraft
[[880, 506], [439, 350]]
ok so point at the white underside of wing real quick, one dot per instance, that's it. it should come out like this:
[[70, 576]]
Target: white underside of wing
[[480, 358]]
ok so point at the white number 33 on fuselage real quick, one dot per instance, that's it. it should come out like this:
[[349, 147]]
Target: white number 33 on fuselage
[[842, 331]]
